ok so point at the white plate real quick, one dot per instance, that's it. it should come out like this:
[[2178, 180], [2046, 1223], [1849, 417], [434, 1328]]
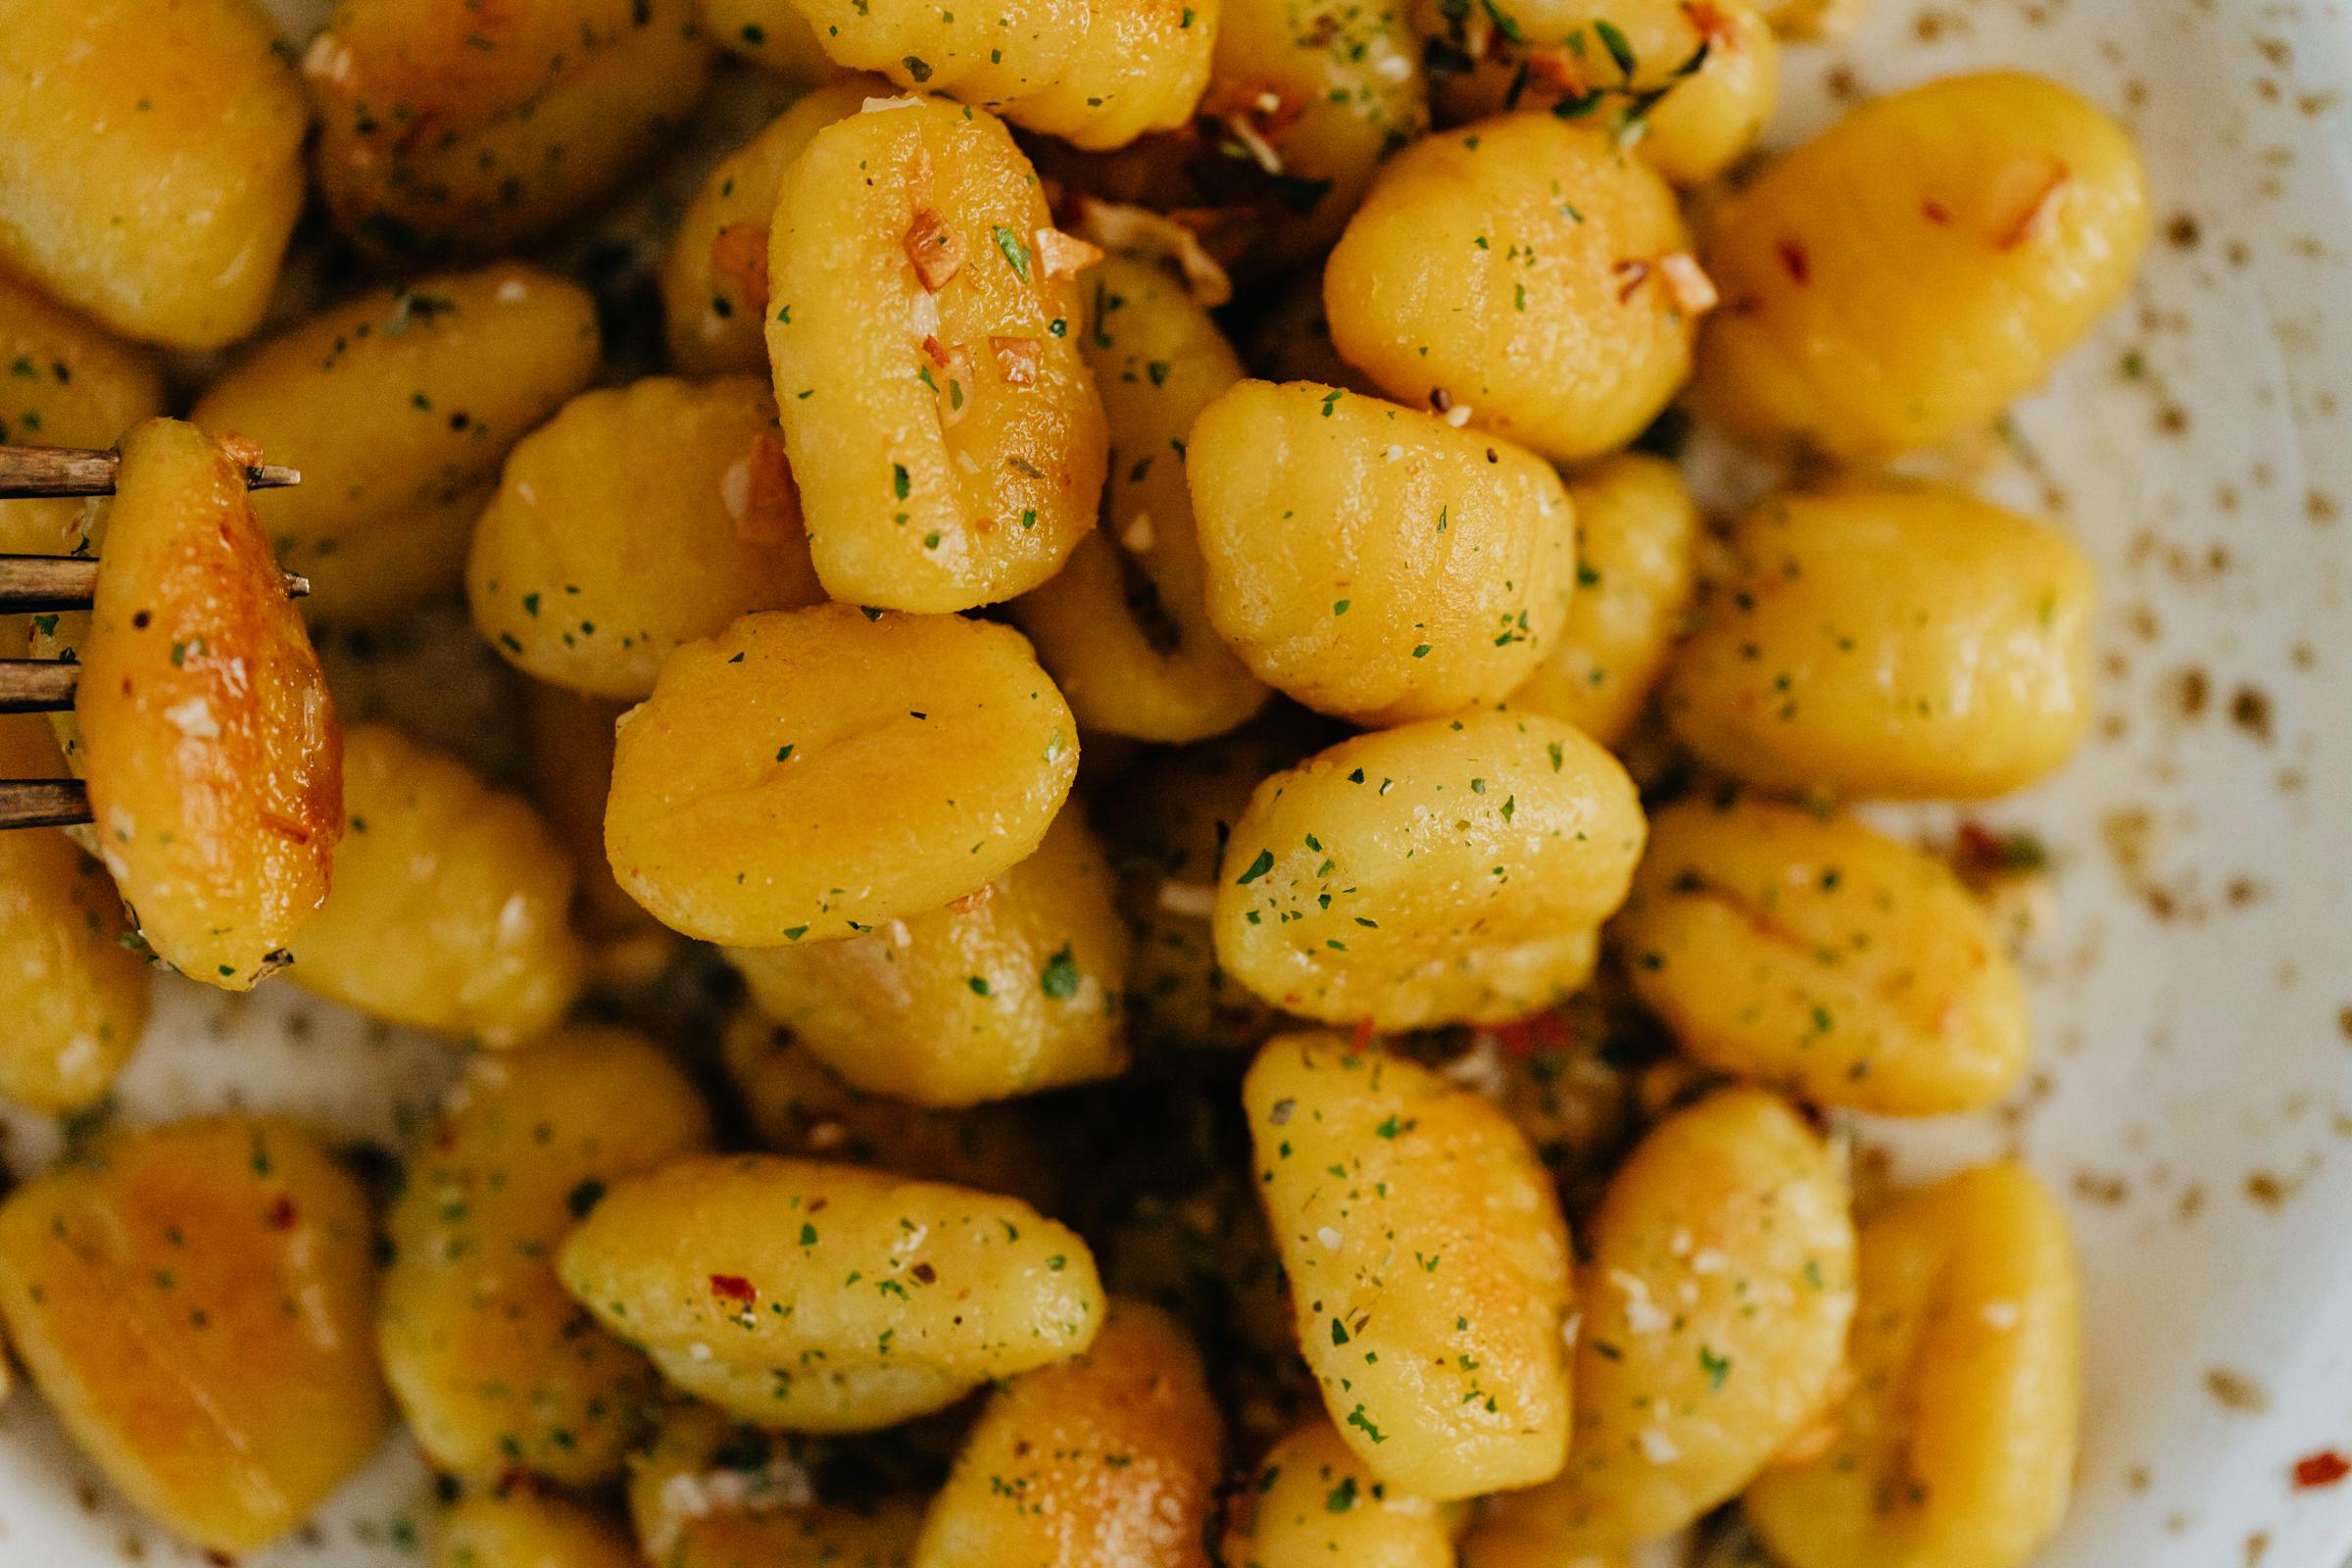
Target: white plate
[[2197, 1063]]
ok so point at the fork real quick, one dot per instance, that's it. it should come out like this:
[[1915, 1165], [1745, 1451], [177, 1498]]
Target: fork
[[38, 583]]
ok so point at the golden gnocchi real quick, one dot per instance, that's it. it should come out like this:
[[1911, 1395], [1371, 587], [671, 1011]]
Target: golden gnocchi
[[744, 789], [146, 1290], [74, 994], [814, 1297], [449, 128], [206, 735], [1428, 1265], [1882, 639], [518, 1527], [1012, 989], [1311, 1504], [1716, 1282], [1814, 953], [150, 160], [1124, 626], [1524, 274], [638, 519], [495, 1367], [1371, 561], [452, 904], [944, 429], [1956, 1446], [1635, 575], [63, 381], [398, 407], [1921, 264], [1444, 872], [1112, 1456]]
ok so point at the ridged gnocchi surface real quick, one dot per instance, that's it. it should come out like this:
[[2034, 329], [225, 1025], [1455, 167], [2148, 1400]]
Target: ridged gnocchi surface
[[1428, 1265], [808, 1295]]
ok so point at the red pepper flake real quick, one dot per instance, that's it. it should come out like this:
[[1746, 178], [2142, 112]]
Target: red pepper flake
[[1363, 1035], [739, 259], [2321, 1469], [1533, 1035], [733, 1288], [1711, 24], [280, 1214], [1934, 212], [1630, 277], [1800, 266], [771, 506], [939, 355]]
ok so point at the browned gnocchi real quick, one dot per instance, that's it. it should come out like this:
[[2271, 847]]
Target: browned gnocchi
[[1885, 639], [206, 735], [63, 381], [518, 1527], [759, 830], [1112, 1456], [1428, 1265], [1371, 561], [943, 425], [192, 1300], [397, 408], [1524, 274]]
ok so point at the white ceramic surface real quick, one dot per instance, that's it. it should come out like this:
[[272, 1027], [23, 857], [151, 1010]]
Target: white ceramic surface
[[2194, 987]]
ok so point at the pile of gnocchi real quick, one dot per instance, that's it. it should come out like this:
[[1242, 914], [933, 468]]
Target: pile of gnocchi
[[1159, 899]]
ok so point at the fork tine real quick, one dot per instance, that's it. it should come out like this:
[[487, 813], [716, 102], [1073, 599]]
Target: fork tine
[[67, 583], [43, 802], [36, 685], [32, 471]]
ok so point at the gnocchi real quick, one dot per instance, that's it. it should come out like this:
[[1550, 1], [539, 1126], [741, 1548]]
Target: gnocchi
[[637, 519], [1124, 626], [206, 735], [63, 381], [451, 128], [1918, 266], [814, 1297], [72, 996], [150, 161], [516, 1528], [1716, 1282], [1370, 560], [942, 426], [1428, 1264], [452, 906], [1957, 1444], [495, 1367], [1012, 989], [1311, 1503], [1688, 87], [1882, 639], [1444, 872], [1112, 1456], [714, 274], [1814, 953], [772, 33], [1095, 73], [398, 407], [778, 737], [146, 1291], [1637, 533], [1527, 272]]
